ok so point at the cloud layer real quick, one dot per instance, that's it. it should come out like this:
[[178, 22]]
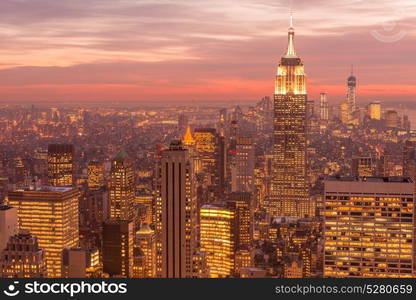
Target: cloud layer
[[141, 50]]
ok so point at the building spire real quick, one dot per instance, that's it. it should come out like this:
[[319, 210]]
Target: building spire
[[188, 140], [291, 52]]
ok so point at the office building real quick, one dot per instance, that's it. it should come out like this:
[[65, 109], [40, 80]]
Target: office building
[[51, 215], [369, 227]]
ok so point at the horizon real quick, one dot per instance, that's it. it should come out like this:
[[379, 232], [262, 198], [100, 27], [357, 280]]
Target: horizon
[[149, 51]]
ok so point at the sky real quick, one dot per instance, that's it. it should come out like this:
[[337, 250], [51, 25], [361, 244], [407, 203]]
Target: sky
[[179, 50]]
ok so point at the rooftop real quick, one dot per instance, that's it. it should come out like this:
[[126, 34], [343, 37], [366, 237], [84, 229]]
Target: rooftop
[[371, 179]]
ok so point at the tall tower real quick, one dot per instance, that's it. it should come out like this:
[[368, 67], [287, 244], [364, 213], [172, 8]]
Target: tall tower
[[351, 93], [323, 105], [176, 213], [217, 239], [122, 187], [290, 190], [61, 164]]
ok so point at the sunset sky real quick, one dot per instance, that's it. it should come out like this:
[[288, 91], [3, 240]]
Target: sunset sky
[[145, 50]]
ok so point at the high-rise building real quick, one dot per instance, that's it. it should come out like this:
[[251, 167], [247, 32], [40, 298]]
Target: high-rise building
[[122, 187], [50, 214], [183, 122], [391, 118], [351, 94], [61, 164], [374, 110], [344, 114], [210, 149], [241, 204], [22, 258], [217, 239], [369, 227], [95, 171], [118, 242], [8, 224], [176, 213], [146, 240], [242, 173], [290, 188], [323, 107]]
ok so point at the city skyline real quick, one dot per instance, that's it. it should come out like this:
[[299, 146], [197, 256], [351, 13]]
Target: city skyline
[[147, 51], [293, 185]]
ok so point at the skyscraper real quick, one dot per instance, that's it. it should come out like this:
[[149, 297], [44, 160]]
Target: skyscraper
[[95, 172], [210, 149], [290, 190], [374, 110], [146, 241], [118, 244], [323, 107], [122, 187], [242, 173], [241, 204], [217, 239], [61, 164], [351, 93], [176, 213], [50, 214], [369, 227]]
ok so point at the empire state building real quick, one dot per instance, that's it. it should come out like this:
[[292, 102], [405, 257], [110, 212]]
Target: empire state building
[[290, 187]]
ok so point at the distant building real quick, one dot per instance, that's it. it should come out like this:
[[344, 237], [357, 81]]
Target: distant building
[[391, 118], [61, 164], [242, 173], [323, 107], [369, 227], [344, 113], [95, 172], [374, 110], [122, 187], [352, 94], [51, 214], [364, 166]]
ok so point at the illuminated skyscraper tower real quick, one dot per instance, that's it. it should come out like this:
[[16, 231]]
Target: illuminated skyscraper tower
[[61, 165], [290, 191], [51, 214], [323, 106], [176, 213], [121, 187], [351, 93]]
